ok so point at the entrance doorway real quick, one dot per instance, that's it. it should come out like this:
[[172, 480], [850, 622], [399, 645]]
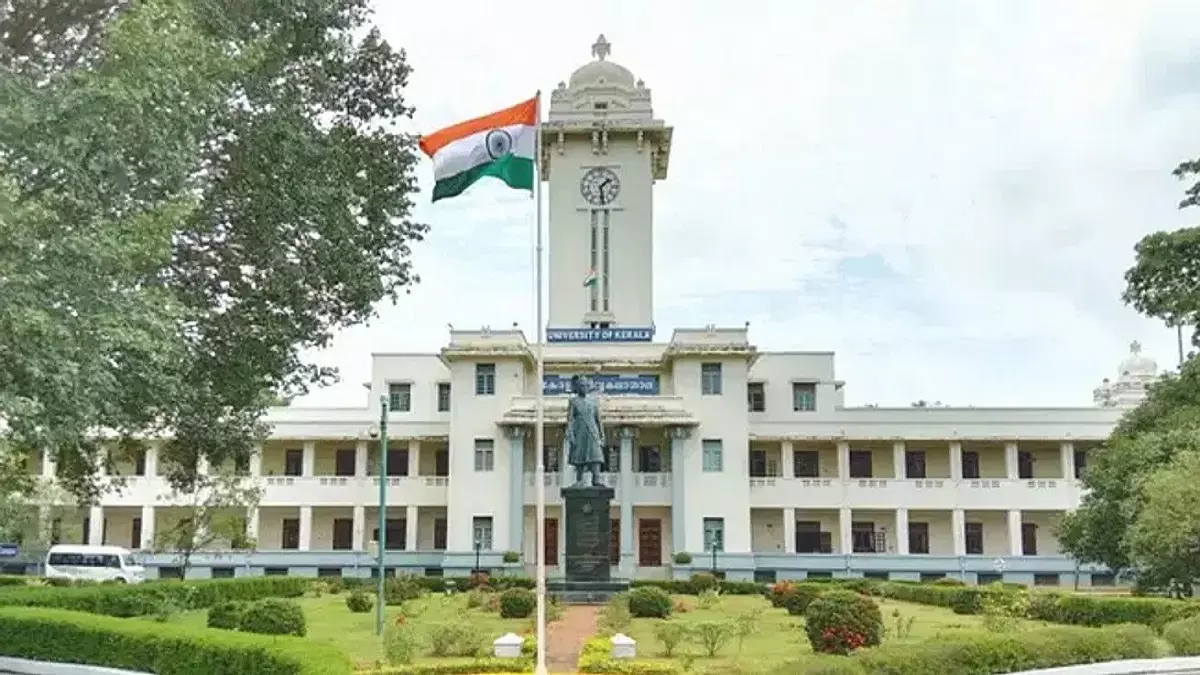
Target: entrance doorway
[[649, 542]]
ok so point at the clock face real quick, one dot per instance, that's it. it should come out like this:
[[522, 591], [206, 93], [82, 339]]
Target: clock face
[[600, 186]]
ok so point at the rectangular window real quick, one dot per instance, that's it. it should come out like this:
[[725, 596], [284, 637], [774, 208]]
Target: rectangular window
[[397, 462], [293, 462], [612, 459], [1045, 580], [710, 379], [485, 379], [551, 457], [1024, 465], [649, 459], [758, 463], [714, 534], [1080, 463], [970, 464], [396, 534], [861, 464], [135, 534], [139, 463], [289, 534], [485, 454], [343, 534], [275, 571], [400, 397], [222, 572], [804, 396], [973, 538], [713, 455], [756, 397], [862, 537], [914, 463], [918, 538], [344, 462], [806, 463], [1029, 543], [443, 397], [482, 527]]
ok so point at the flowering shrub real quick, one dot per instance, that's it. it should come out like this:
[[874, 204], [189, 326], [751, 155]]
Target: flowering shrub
[[779, 591], [839, 622]]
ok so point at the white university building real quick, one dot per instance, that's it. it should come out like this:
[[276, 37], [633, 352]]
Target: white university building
[[747, 460]]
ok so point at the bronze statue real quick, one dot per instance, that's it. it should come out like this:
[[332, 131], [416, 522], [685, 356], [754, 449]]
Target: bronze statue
[[585, 434]]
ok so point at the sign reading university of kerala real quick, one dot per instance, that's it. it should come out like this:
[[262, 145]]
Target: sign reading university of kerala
[[599, 334], [638, 385]]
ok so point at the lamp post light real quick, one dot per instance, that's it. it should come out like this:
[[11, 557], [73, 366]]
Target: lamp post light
[[478, 545], [383, 470]]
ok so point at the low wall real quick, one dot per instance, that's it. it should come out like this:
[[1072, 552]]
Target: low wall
[[11, 666]]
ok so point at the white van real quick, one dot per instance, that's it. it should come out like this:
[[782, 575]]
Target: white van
[[93, 563]]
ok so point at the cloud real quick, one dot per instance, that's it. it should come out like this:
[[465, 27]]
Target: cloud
[[945, 194]]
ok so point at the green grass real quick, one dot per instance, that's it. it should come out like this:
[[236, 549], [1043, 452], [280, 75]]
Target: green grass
[[329, 621], [779, 637]]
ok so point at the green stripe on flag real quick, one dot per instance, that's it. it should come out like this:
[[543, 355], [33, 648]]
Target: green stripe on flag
[[516, 172]]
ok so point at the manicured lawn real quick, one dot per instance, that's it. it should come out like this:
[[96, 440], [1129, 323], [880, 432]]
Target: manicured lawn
[[329, 621], [779, 637]]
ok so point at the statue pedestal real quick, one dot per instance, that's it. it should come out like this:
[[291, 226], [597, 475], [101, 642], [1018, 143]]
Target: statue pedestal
[[588, 542]]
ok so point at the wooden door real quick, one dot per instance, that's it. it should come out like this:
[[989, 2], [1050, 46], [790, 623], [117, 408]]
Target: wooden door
[[650, 542], [614, 543], [551, 551], [439, 534]]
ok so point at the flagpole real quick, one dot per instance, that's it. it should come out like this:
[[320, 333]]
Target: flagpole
[[539, 428]]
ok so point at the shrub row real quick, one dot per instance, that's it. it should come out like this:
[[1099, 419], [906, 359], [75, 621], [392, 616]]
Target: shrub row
[[14, 581], [596, 657], [167, 649], [457, 667], [437, 584], [269, 616], [143, 599], [1184, 636]]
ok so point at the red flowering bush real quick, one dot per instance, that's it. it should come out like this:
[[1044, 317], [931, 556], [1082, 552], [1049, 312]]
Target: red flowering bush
[[779, 592], [839, 622]]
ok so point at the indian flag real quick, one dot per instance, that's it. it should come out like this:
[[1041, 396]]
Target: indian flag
[[499, 144], [592, 278]]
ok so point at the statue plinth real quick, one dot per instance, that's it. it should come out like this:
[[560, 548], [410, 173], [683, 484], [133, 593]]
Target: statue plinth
[[589, 532]]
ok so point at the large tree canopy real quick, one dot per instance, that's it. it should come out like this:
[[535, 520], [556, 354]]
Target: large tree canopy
[[193, 199], [1117, 523]]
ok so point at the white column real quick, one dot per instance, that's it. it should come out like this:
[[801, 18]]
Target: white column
[[360, 459], [147, 542], [414, 457], [255, 464], [309, 459], [306, 525], [202, 465], [787, 457], [846, 541], [410, 528], [958, 527], [1066, 451], [96, 526], [628, 526], [843, 460], [252, 524], [360, 528], [789, 530], [902, 531], [956, 460], [151, 466], [1014, 532], [899, 465], [1010, 460], [49, 466]]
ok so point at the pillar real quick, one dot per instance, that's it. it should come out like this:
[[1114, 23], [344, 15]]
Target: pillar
[[958, 528], [49, 465], [843, 460], [252, 524], [306, 524], [516, 495], [956, 460], [1014, 532], [627, 525], [148, 513], [309, 460], [414, 457], [788, 459], [255, 464], [1010, 460], [789, 530], [679, 436], [1066, 453], [902, 531], [411, 515], [899, 466], [151, 466], [358, 543], [845, 539], [361, 457], [96, 525]]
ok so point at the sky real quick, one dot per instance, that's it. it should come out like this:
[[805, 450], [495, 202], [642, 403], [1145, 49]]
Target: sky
[[945, 194]]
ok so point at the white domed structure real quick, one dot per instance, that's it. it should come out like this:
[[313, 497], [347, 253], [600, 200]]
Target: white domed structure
[[1134, 376], [602, 72]]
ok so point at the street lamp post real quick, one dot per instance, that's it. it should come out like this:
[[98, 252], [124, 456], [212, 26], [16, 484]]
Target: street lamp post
[[714, 558], [478, 545], [383, 468]]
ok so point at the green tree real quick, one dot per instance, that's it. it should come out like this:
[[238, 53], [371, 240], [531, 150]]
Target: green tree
[[213, 189], [215, 506], [1164, 542]]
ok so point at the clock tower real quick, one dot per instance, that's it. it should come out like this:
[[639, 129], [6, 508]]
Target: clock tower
[[602, 151]]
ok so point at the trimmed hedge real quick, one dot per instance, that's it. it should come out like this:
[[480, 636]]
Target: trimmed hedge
[[458, 667], [1184, 636], [1082, 610], [167, 649], [596, 657], [142, 599]]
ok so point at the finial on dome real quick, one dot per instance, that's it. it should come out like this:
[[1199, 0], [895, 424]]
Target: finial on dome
[[1135, 347], [602, 48]]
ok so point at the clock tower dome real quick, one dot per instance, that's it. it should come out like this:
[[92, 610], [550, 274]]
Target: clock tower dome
[[602, 151]]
